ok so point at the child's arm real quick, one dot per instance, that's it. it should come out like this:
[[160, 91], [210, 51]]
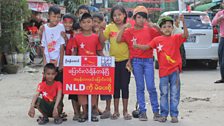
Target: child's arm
[[74, 52], [63, 34], [61, 57], [31, 112], [99, 53], [120, 33], [44, 57], [185, 34], [102, 38], [141, 47], [58, 99]]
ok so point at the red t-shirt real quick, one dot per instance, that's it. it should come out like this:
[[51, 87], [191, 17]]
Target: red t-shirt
[[49, 92], [69, 45], [168, 52], [87, 45], [143, 37]]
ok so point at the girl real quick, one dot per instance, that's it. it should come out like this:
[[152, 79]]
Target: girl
[[142, 61], [121, 54]]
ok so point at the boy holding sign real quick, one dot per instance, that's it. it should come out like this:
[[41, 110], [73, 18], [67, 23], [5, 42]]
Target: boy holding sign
[[87, 44]]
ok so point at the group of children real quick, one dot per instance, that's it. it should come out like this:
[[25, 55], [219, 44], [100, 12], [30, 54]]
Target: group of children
[[132, 46]]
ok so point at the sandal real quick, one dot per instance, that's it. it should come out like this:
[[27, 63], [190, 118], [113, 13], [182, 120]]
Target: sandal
[[63, 115], [42, 120], [127, 116], [115, 116], [76, 117], [94, 119], [58, 120], [105, 115], [82, 119]]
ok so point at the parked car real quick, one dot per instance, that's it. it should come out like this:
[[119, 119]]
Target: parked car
[[202, 43]]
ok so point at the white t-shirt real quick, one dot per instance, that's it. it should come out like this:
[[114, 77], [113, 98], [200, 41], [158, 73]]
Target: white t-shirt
[[51, 41]]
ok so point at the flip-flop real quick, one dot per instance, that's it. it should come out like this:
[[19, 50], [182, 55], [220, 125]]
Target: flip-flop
[[58, 120], [94, 119], [127, 116], [115, 116], [82, 119], [42, 120], [105, 115]]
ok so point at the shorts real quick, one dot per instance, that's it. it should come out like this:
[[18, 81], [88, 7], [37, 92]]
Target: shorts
[[105, 97], [73, 97], [48, 107]]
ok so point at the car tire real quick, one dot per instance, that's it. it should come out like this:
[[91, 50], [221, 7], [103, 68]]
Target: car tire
[[156, 64], [213, 64]]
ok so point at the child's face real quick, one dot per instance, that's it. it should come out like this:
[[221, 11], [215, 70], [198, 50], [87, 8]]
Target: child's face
[[50, 74], [82, 11], [86, 24], [167, 28], [68, 23], [54, 18], [118, 17], [140, 21], [96, 23]]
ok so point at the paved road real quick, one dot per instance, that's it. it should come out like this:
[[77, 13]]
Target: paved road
[[202, 101]]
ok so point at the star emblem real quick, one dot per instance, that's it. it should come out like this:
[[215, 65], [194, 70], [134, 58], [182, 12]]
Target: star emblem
[[82, 45], [45, 93], [134, 40], [159, 47]]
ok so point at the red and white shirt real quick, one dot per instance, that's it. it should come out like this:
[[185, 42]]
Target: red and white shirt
[[49, 92], [168, 53], [142, 37], [87, 45]]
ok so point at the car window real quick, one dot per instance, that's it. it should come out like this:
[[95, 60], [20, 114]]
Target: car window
[[197, 21]]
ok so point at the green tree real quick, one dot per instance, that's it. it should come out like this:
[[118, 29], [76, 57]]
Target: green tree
[[13, 14]]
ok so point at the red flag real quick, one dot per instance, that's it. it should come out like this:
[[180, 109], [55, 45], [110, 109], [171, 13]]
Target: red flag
[[89, 61]]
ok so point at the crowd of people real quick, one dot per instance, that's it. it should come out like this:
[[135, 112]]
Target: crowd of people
[[132, 41]]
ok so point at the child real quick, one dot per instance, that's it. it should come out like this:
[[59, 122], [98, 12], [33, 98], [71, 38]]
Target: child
[[121, 54], [81, 10], [52, 41], [50, 105], [170, 63], [68, 22], [87, 44], [141, 60], [98, 19]]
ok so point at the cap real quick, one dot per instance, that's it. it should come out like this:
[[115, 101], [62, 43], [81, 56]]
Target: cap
[[163, 19], [140, 9]]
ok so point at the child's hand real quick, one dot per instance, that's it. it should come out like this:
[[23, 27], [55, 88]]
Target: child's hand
[[182, 17], [127, 25], [31, 112], [135, 45], [63, 34], [103, 25], [55, 113], [60, 67], [129, 66]]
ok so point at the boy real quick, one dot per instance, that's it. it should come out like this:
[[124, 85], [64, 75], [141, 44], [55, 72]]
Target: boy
[[99, 23], [170, 63], [52, 41], [87, 43], [50, 104], [141, 60]]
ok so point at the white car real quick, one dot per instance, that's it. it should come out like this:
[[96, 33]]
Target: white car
[[202, 43]]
